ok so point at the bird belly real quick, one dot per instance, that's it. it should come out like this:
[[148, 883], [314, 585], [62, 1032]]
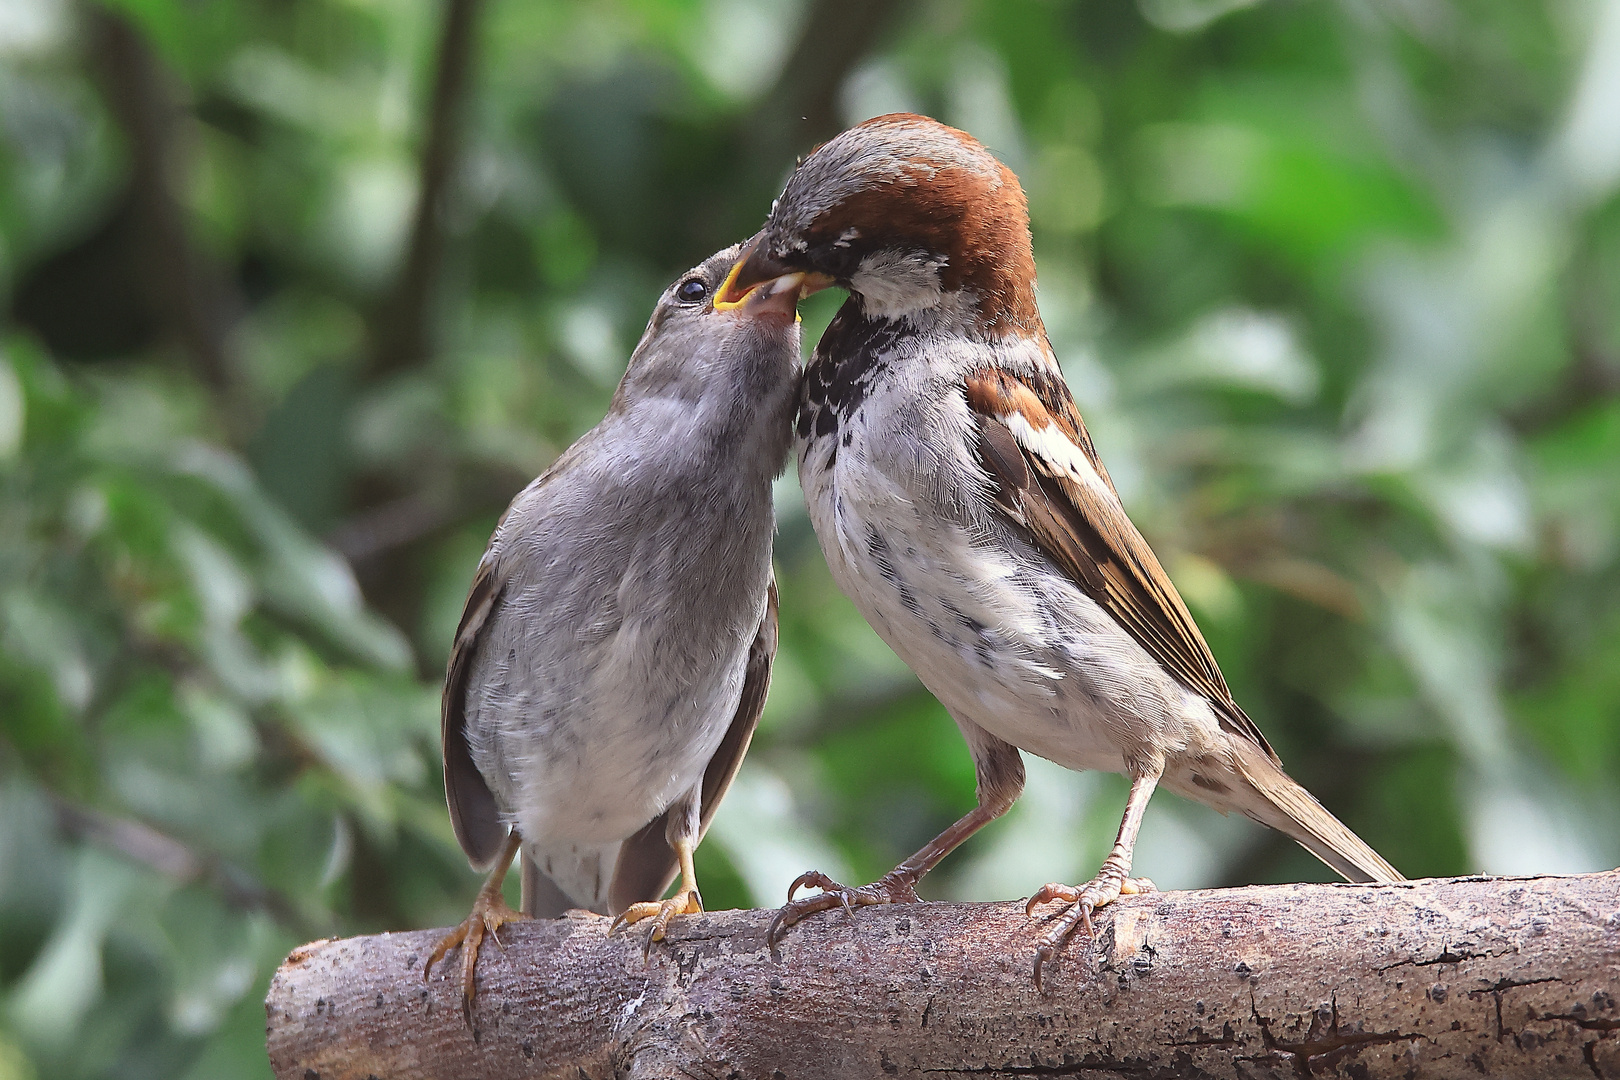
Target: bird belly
[[595, 765], [998, 635]]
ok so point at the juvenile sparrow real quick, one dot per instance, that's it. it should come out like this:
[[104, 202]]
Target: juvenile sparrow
[[614, 653], [962, 507]]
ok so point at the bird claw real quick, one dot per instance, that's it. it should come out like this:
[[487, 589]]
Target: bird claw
[[1137, 886], [489, 914], [1100, 891], [685, 902], [891, 888]]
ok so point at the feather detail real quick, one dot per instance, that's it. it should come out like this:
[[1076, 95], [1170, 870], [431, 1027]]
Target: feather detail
[[646, 865], [473, 813], [1293, 811], [1064, 498]]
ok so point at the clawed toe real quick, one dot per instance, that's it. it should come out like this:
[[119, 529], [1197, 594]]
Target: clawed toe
[[1047, 893], [890, 889], [814, 879], [1137, 886], [1083, 902], [661, 912], [1077, 916], [488, 916], [832, 895]]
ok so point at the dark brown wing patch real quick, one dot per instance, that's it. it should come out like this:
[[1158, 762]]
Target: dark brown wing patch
[[473, 813], [1006, 461], [1082, 527], [646, 866]]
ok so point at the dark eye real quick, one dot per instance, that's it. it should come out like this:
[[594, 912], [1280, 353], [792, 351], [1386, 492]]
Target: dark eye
[[692, 291]]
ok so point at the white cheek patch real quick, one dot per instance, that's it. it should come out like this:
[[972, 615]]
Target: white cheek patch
[[894, 283], [1059, 452]]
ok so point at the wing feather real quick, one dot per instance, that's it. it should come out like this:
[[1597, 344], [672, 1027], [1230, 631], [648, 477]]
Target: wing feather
[[473, 812], [1057, 489]]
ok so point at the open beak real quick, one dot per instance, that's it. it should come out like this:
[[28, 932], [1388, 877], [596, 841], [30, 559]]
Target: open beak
[[776, 284], [778, 296]]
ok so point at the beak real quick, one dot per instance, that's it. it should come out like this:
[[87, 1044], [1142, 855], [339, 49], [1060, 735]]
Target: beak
[[778, 296], [752, 268]]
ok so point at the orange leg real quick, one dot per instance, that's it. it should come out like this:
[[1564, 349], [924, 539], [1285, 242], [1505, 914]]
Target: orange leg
[[686, 901], [489, 914]]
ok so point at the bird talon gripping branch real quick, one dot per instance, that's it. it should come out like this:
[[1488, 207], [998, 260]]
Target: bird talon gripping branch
[[687, 901], [662, 913], [893, 888]]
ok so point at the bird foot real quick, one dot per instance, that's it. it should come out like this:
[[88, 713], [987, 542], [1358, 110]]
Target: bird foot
[[1100, 891], [685, 902], [891, 888], [489, 914]]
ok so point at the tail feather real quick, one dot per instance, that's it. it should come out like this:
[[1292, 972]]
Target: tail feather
[[541, 897], [1292, 810], [565, 876]]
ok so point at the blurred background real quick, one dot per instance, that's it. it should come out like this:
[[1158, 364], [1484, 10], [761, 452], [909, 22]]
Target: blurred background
[[296, 294]]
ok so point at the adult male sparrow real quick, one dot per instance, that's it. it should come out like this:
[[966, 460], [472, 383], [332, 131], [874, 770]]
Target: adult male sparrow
[[961, 505], [614, 653]]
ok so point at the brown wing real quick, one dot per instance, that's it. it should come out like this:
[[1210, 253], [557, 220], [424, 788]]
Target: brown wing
[[473, 813], [647, 866], [1051, 481]]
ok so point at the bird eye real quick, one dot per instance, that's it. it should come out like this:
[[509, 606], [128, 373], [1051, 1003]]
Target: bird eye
[[692, 291]]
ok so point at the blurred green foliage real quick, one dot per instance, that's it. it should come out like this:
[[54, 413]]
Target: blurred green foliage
[[1337, 285]]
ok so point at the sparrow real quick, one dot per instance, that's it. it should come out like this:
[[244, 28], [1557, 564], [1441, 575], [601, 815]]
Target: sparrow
[[616, 646], [961, 505]]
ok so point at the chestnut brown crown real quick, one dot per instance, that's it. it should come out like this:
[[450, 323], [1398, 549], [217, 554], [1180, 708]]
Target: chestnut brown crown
[[911, 216]]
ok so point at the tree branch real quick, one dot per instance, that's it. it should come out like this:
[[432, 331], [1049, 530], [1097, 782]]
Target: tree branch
[[162, 853], [404, 323], [197, 302], [1464, 977]]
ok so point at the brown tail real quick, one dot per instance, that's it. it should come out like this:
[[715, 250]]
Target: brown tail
[[1291, 809]]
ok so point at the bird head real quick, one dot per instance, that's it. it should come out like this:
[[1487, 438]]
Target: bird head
[[916, 219], [734, 360]]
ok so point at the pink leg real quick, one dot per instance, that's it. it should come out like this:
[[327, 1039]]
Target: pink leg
[[1112, 880], [1001, 777]]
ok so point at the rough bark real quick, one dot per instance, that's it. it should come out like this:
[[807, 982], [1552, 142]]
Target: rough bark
[[1466, 977]]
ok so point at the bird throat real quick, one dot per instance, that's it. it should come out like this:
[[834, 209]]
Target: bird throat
[[853, 352]]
